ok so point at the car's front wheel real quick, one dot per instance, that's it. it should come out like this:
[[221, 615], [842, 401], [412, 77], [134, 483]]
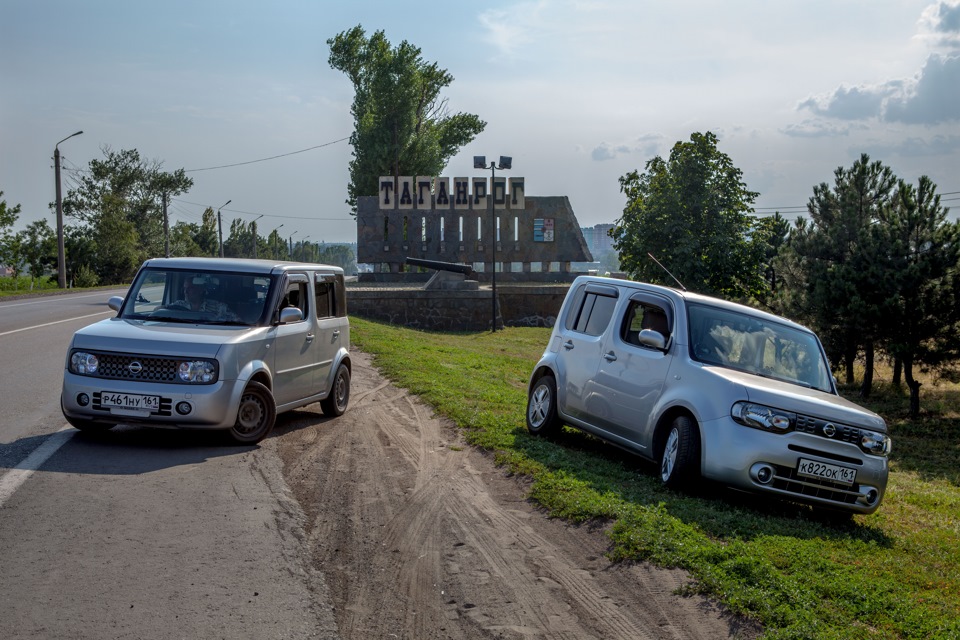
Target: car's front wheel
[[680, 458], [256, 415], [542, 407], [335, 404]]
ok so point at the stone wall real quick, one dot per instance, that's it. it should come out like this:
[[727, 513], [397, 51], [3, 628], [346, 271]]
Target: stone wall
[[518, 305]]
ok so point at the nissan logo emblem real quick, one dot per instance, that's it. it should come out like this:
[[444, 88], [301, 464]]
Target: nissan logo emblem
[[829, 430], [135, 367]]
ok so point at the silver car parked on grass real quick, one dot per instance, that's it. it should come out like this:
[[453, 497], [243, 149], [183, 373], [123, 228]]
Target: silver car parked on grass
[[208, 343], [708, 388]]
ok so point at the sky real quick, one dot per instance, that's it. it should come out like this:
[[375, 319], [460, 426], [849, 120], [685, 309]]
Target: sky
[[577, 92]]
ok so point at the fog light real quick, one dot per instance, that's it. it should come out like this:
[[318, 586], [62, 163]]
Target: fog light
[[83, 399], [762, 473], [183, 408], [872, 496]]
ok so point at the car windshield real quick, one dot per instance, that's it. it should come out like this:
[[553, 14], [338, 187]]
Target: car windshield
[[756, 345], [198, 297]]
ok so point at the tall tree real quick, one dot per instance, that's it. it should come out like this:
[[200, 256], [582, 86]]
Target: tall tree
[[10, 248], [843, 249], [692, 212], [922, 313], [131, 187], [39, 247], [402, 126]]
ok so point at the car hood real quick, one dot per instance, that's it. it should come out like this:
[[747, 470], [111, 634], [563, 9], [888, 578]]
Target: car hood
[[159, 338], [798, 399]]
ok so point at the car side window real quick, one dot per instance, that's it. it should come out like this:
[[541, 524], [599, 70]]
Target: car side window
[[644, 315], [324, 299], [595, 313], [295, 295]]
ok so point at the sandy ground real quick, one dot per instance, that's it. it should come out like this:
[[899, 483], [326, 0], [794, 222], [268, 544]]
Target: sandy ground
[[420, 536]]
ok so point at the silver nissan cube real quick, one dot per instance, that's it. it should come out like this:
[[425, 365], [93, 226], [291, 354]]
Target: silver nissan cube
[[207, 343], [708, 389]]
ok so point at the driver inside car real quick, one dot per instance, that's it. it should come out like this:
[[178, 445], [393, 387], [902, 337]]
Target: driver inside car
[[195, 299]]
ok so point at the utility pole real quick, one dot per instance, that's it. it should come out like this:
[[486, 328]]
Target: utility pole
[[166, 228], [61, 251], [220, 224]]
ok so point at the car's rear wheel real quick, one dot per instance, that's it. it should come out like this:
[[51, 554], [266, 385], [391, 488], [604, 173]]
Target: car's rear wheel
[[680, 458], [335, 404], [542, 407], [256, 415]]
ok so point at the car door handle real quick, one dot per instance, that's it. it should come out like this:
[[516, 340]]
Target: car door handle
[[568, 345], [336, 334], [309, 337], [610, 356]]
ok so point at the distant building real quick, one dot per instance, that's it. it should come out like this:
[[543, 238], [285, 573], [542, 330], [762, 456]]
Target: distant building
[[598, 238]]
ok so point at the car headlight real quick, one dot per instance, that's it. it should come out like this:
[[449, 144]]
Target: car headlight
[[84, 363], [876, 443], [197, 371], [762, 417]]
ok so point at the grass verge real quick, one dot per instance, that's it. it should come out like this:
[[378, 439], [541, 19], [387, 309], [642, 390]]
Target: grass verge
[[894, 574]]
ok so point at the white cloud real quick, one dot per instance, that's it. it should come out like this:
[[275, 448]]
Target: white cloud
[[940, 24], [934, 97]]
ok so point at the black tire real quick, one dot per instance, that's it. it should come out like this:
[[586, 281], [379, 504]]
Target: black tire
[[335, 404], [542, 407], [255, 416], [680, 457]]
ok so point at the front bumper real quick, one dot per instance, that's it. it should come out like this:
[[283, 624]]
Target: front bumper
[[211, 406], [761, 461]]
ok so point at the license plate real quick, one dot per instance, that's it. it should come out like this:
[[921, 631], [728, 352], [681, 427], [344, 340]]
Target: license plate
[[129, 401], [831, 472]]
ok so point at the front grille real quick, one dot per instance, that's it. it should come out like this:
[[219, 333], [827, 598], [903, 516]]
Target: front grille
[[818, 427], [117, 366], [787, 479]]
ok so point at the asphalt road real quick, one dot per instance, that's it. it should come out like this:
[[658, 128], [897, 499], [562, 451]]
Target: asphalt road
[[140, 533]]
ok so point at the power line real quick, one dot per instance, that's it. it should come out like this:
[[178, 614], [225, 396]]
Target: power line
[[282, 155], [265, 215]]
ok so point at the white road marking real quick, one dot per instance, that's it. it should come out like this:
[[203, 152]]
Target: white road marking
[[12, 480], [47, 324], [45, 300]]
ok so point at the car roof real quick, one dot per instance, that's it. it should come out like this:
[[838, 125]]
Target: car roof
[[688, 296], [238, 264]]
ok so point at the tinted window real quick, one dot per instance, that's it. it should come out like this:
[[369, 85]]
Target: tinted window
[[595, 314], [644, 315]]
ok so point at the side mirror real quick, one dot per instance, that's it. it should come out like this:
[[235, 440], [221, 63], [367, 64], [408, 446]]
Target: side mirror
[[290, 314], [115, 302], [653, 339]]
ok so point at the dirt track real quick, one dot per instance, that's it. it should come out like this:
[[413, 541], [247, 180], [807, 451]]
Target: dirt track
[[420, 536]]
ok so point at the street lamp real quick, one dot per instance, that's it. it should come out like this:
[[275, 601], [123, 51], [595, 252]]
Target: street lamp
[[303, 251], [480, 162], [253, 226], [220, 224], [290, 253], [275, 236], [61, 251]]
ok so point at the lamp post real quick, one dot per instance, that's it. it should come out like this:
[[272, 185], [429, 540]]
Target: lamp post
[[220, 224], [253, 226], [480, 162], [275, 236], [291, 245], [61, 251]]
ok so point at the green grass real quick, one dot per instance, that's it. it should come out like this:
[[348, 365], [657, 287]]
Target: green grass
[[893, 574]]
